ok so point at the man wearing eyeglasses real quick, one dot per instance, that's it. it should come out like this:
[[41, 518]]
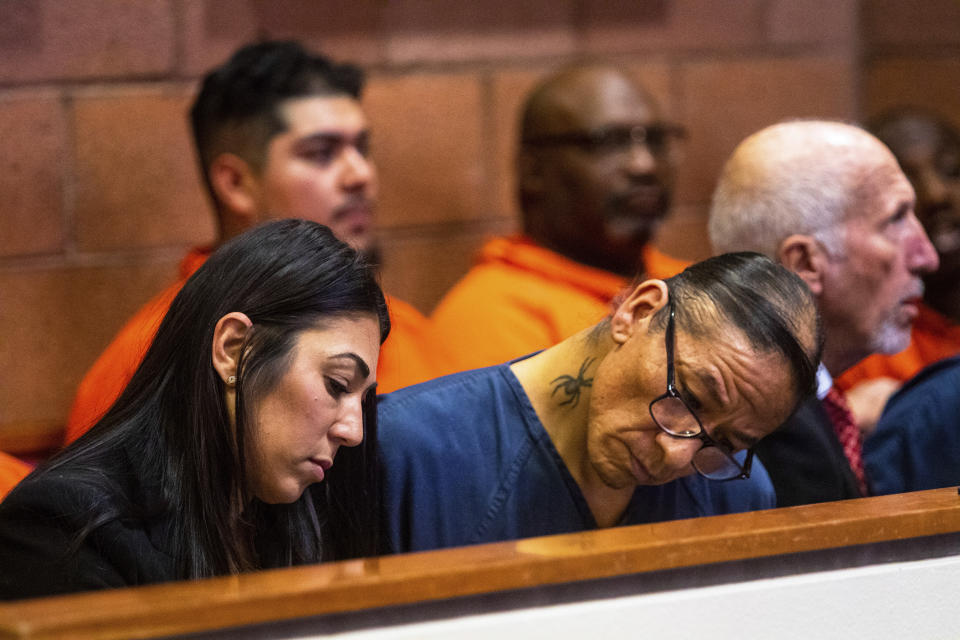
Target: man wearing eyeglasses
[[595, 175], [649, 415], [829, 202]]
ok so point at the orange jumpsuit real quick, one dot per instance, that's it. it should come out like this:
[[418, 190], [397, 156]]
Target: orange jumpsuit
[[933, 338], [409, 355], [12, 471], [520, 297]]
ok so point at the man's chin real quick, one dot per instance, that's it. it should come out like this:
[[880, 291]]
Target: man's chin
[[892, 338], [360, 237], [633, 227]]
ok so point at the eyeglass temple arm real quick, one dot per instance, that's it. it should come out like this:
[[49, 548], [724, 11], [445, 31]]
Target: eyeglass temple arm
[[669, 341]]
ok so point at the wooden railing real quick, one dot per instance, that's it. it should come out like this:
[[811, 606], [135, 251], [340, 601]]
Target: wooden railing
[[287, 594]]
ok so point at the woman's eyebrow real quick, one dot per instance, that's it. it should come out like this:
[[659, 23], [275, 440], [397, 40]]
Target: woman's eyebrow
[[359, 362]]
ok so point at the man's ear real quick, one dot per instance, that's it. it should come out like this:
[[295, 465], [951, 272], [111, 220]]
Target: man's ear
[[228, 339], [803, 255], [640, 305], [235, 186]]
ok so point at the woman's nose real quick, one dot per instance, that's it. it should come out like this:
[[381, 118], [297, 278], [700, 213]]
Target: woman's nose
[[348, 428]]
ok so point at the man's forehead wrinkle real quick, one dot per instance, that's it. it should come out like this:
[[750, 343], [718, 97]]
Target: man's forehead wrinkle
[[715, 386], [728, 369], [740, 396]]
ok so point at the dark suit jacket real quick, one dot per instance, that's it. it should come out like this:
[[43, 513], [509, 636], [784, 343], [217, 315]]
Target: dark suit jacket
[[805, 460], [39, 522]]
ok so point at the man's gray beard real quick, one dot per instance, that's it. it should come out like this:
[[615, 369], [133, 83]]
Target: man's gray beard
[[891, 338]]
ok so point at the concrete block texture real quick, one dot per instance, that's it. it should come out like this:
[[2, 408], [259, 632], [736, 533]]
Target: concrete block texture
[[931, 82], [436, 30], [906, 23], [32, 168], [428, 144], [725, 101], [809, 22], [42, 40], [56, 321], [612, 26], [137, 181]]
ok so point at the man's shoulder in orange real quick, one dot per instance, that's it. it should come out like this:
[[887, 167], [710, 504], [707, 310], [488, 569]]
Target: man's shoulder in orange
[[520, 297], [106, 379], [411, 353]]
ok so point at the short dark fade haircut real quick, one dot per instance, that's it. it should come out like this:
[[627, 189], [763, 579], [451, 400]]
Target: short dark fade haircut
[[768, 303], [236, 109]]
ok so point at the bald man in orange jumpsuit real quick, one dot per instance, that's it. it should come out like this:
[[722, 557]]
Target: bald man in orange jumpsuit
[[595, 176]]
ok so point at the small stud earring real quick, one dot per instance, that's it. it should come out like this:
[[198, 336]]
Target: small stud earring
[[232, 380]]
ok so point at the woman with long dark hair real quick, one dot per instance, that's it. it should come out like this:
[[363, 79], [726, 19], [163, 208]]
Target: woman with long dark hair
[[218, 456]]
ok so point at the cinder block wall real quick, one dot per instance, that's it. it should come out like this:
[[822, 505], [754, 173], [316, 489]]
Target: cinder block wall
[[100, 197], [911, 56]]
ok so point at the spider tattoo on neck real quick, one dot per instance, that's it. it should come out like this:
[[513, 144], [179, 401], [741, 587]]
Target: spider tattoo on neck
[[573, 386]]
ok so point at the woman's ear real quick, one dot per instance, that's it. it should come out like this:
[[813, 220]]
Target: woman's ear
[[640, 305], [803, 255], [228, 339]]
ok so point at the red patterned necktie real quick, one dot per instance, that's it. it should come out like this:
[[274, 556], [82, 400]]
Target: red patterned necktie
[[848, 433]]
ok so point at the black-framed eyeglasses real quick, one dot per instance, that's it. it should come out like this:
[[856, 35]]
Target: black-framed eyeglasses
[[658, 138], [713, 460]]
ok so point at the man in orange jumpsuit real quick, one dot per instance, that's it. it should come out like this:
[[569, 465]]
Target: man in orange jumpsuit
[[280, 133], [928, 150], [595, 175]]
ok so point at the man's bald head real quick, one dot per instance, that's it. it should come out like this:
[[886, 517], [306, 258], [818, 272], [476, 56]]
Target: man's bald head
[[830, 202], [595, 175], [792, 178], [566, 100]]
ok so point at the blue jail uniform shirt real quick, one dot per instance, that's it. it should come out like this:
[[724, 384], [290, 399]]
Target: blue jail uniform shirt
[[466, 460]]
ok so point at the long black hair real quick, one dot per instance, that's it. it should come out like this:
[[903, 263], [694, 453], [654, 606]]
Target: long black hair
[[172, 418]]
